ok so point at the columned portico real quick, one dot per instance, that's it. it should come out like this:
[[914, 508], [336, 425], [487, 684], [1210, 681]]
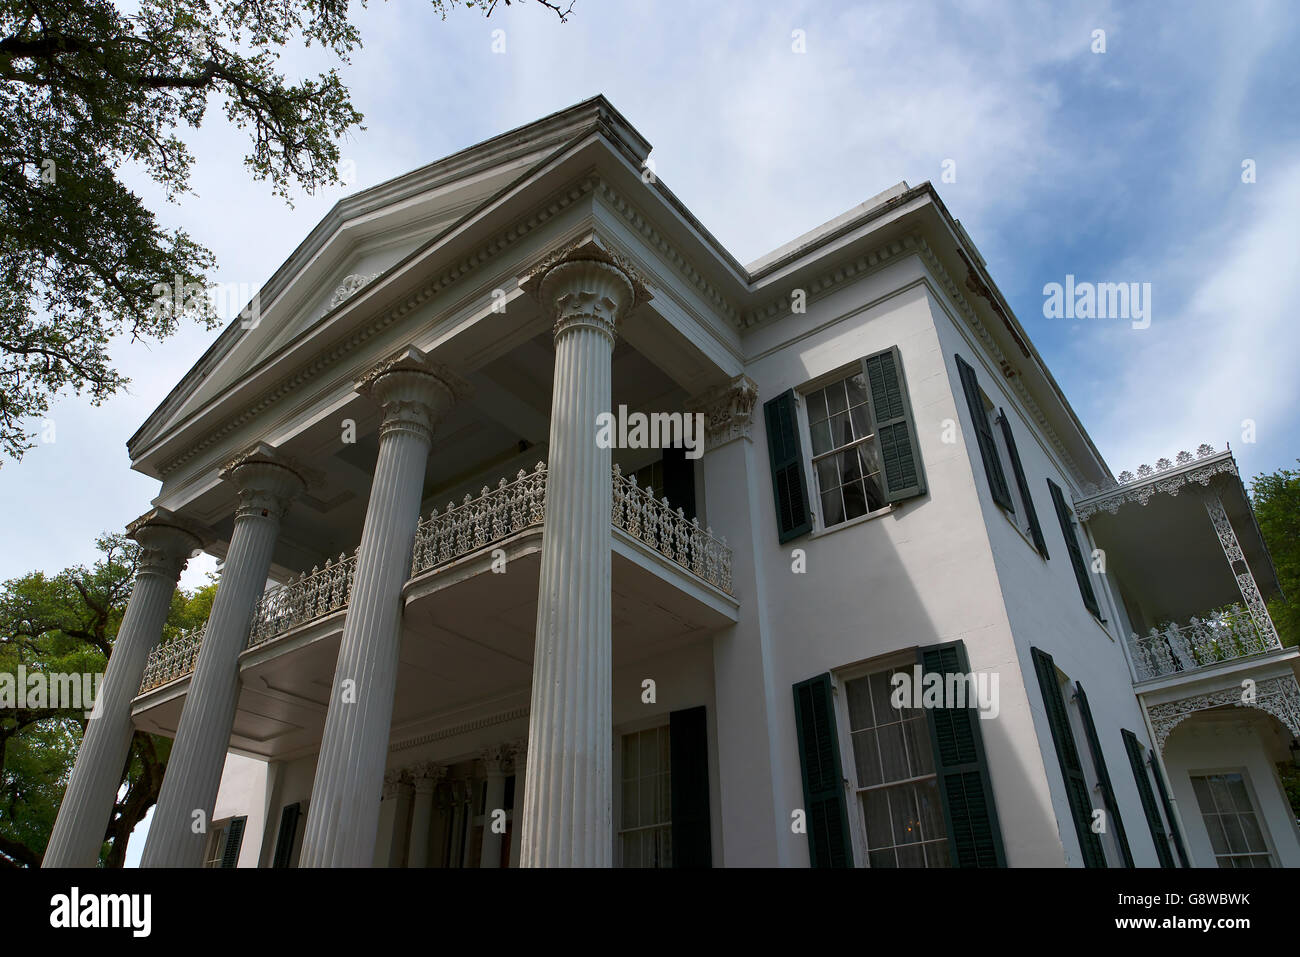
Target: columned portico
[[343, 820], [166, 542], [586, 290], [266, 484]]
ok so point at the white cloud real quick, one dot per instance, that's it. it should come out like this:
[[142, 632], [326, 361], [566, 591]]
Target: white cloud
[[1223, 346]]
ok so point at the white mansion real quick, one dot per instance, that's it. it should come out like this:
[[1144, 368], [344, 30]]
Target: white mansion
[[492, 640]]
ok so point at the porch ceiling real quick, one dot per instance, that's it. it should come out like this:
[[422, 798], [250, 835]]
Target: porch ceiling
[[1167, 555]]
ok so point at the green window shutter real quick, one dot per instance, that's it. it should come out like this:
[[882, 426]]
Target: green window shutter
[[1115, 822], [891, 415], [984, 436], [1149, 809], [688, 750], [785, 453], [1067, 753], [1035, 530], [1158, 774], [234, 838], [974, 838], [823, 780], [285, 838], [1071, 536]]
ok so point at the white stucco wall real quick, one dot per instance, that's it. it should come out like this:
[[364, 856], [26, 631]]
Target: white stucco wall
[[919, 575], [243, 791]]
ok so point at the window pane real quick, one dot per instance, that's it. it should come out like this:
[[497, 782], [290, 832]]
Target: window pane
[[936, 854], [861, 421], [857, 389], [902, 807], [632, 850], [629, 757], [855, 500], [1220, 793], [859, 697], [1217, 839], [867, 758], [913, 856], [841, 430], [929, 810], [921, 759], [1237, 788], [893, 759], [875, 810], [835, 401], [882, 859], [649, 747], [817, 406], [832, 508], [880, 694], [630, 816], [828, 473], [821, 437], [1202, 788], [1254, 836], [1232, 831]]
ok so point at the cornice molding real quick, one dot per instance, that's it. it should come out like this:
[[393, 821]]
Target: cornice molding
[[1011, 374], [465, 727], [859, 266], [651, 236]]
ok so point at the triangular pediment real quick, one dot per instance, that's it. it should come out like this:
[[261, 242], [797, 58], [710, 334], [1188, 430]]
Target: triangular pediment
[[361, 238]]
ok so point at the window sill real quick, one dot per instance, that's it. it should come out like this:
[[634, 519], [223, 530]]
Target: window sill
[[870, 516], [1021, 532]]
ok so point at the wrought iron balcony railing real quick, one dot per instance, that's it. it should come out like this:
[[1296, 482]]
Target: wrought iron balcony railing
[[1177, 649], [172, 659], [460, 530]]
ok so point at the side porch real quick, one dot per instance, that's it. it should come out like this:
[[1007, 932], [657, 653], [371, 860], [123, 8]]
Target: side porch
[[1220, 692]]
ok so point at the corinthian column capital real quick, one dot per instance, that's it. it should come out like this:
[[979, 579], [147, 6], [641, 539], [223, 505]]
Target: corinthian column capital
[[586, 284], [728, 410], [427, 776], [266, 480], [414, 391], [167, 541]]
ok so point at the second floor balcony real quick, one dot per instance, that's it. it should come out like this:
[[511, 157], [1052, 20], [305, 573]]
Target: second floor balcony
[[1222, 636], [647, 530]]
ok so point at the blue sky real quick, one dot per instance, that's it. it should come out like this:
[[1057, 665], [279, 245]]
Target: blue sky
[[1122, 166]]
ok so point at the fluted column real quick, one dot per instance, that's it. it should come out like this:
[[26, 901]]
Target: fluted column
[[426, 778], [342, 821], [520, 748], [495, 760], [568, 799], [166, 542], [266, 482]]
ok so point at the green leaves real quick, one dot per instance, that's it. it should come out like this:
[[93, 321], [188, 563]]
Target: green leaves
[[1276, 500], [85, 88], [66, 624]]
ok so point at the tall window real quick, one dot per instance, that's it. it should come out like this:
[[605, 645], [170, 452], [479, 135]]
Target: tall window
[[216, 844], [1236, 832], [845, 457], [645, 823], [898, 794]]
